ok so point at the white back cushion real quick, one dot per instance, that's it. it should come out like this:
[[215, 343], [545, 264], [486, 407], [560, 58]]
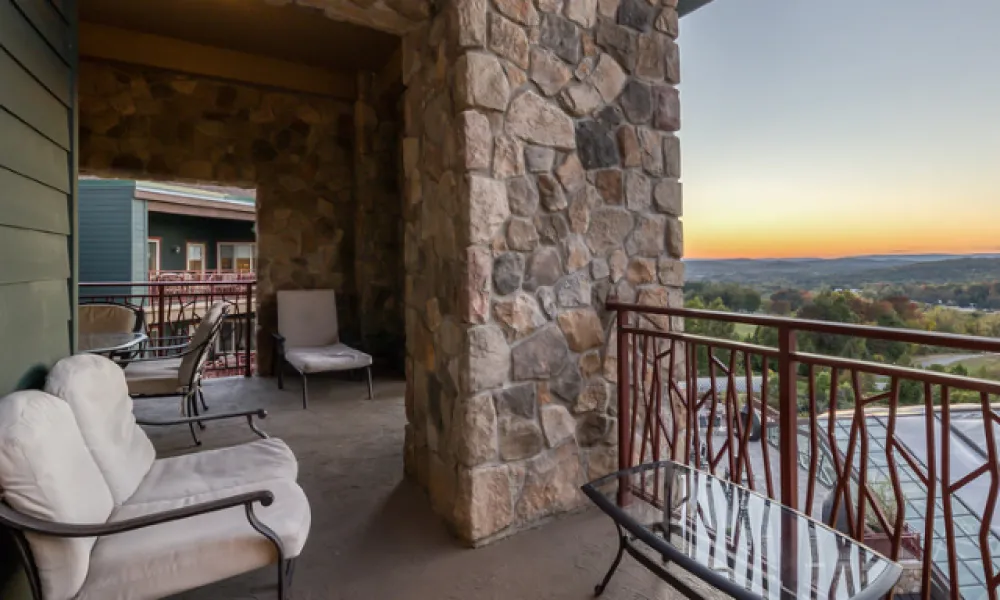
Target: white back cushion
[[96, 391], [46, 472], [105, 318], [308, 318]]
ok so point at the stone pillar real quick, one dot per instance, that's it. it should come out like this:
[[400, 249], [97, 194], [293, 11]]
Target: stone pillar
[[434, 264], [378, 224], [545, 182]]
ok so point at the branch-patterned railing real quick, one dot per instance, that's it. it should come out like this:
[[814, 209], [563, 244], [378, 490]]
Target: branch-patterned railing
[[172, 309], [898, 478], [213, 276]]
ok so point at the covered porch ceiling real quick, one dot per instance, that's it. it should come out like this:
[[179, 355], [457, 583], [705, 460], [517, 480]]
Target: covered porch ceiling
[[289, 46]]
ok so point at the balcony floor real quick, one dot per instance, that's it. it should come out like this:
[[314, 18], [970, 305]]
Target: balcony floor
[[374, 535]]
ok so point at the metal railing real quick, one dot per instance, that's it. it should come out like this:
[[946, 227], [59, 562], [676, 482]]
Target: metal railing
[[213, 276], [173, 309], [889, 472]]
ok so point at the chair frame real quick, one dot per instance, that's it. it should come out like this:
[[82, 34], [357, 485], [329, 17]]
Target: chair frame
[[278, 362], [191, 392], [18, 524]]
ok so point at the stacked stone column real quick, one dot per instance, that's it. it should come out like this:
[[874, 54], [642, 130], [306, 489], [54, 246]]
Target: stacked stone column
[[378, 227], [541, 179]]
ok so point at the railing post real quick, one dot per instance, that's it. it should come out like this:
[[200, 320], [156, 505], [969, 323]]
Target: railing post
[[247, 367], [159, 313], [624, 418], [788, 439]]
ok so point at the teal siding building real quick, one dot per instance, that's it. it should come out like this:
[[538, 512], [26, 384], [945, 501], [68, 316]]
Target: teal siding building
[[136, 230]]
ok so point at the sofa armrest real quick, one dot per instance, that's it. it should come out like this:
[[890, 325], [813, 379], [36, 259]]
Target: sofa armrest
[[247, 414], [28, 524]]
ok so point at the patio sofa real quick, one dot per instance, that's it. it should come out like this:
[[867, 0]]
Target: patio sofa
[[97, 516]]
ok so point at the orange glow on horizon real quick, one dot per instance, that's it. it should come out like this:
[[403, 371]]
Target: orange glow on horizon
[[786, 218], [716, 240]]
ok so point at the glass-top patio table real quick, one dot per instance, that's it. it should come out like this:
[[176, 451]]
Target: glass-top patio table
[[737, 541], [110, 343]]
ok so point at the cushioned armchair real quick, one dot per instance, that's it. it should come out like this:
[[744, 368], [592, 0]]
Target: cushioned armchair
[[97, 516], [179, 373], [308, 338]]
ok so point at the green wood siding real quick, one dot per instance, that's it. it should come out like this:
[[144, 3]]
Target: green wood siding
[[140, 234], [37, 206], [37, 176], [106, 248], [176, 230]]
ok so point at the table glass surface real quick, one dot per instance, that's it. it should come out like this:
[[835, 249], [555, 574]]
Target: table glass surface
[[747, 542], [99, 343]]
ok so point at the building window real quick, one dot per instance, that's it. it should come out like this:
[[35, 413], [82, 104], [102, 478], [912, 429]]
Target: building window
[[237, 257], [153, 254], [196, 257]]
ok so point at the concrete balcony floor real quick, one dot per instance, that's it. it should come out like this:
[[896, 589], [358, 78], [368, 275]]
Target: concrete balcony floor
[[374, 536]]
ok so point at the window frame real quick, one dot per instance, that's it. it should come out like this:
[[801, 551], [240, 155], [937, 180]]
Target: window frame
[[187, 256], [158, 242], [234, 244]]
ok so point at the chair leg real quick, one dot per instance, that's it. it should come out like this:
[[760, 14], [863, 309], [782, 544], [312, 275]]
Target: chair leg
[[277, 365], [286, 574], [305, 392], [201, 396], [191, 410], [193, 403], [370, 395]]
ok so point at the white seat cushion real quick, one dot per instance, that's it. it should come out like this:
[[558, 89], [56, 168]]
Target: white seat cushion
[[47, 472], [172, 557], [95, 389], [217, 470], [336, 357], [160, 363], [154, 378]]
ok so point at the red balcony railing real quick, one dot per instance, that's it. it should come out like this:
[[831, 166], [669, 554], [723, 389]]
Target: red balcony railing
[[173, 309], [902, 459], [175, 276]]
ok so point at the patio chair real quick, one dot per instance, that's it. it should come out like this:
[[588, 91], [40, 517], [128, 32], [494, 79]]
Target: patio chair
[[95, 515], [108, 317], [179, 374], [308, 338]]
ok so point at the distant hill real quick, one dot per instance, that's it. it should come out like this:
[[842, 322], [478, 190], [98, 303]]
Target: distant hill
[[853, 271], [955, 270]]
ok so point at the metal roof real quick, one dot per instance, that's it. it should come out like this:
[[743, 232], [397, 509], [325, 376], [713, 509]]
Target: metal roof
[[685, 7], [968, 504]]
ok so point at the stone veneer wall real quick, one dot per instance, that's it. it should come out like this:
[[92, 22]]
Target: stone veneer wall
[[541, 178], [379, 217], [296, 150], [434, 264]]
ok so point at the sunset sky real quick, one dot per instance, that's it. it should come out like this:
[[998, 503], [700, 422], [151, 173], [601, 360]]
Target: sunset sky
[[817, 128]]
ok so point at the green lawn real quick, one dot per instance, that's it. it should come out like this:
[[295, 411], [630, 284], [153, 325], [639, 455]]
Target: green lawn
[[973, 363], [745, 329], [990, 361]]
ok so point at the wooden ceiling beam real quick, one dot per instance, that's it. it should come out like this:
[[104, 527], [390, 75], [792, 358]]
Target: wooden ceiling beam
[[124, 46]]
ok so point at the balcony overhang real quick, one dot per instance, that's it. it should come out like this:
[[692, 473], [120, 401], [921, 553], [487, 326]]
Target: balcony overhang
[[161, 198]]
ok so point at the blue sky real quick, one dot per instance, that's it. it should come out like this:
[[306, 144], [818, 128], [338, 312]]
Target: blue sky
[[832, 128]]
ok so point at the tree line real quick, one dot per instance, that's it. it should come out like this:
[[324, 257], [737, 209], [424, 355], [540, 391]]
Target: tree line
[[890, 309]]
